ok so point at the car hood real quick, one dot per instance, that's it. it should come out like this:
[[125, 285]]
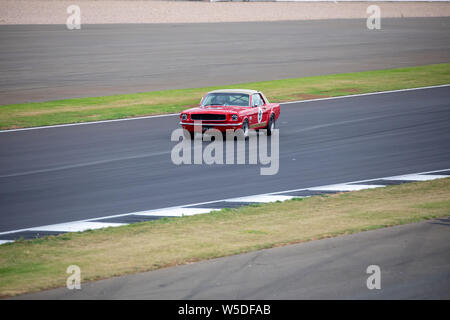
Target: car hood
[[217, 109]]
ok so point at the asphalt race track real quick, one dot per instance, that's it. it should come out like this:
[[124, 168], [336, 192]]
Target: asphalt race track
[[63, 174], [57, 175], [48, 62], [413, 260]]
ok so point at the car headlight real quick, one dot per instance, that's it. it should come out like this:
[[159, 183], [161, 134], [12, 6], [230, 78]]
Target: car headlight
[[184, 116], [234, 117]]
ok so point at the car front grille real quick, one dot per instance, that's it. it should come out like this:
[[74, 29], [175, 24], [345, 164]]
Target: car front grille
[[208, 116]]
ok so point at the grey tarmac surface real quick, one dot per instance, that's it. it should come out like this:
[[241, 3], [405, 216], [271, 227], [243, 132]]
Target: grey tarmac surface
[[414, 260], [57, 175], [48, 62]]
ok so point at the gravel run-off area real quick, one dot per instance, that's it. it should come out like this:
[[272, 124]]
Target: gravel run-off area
[[123, 11]]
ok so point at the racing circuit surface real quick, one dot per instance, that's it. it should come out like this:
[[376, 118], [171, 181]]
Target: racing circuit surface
[[62, 174], [48, 62], [57, 175]]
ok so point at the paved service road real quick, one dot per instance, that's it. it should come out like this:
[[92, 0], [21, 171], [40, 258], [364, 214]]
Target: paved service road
[[414, 261], [64, 174], [39, 63]]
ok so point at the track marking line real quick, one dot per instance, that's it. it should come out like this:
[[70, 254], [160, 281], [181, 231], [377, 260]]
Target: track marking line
[[176, 212], [187, 210], [417, 177], [346, 187], [369, 94], [76, 226], [261, 198], [90, 122], [365, 180]]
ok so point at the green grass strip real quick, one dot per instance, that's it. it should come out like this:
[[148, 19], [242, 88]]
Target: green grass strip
[[170, 101]]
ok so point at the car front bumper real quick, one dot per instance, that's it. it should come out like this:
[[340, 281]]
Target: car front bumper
[[207, 125]]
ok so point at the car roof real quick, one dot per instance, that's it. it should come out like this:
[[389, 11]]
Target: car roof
[[243, 91]]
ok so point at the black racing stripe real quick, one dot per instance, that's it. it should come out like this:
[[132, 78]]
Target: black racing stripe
[[29, 235], [383, 182], [224, 204], [132, 218], [308, 193]]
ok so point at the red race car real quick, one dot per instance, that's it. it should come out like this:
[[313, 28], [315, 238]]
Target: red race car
[[232, 109]]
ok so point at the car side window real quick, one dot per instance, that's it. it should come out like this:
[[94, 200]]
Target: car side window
[[262, 100], [256, 100]]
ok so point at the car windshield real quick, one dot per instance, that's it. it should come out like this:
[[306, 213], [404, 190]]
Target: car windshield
[[226, 99]]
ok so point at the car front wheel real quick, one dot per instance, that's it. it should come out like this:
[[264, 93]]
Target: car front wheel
[[188, 134], [245, 128], [271, 125]]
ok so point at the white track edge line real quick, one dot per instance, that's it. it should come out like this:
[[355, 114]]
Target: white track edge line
[[366, 180], [89, 122], [175, 114], [369, 94], [207, 202]]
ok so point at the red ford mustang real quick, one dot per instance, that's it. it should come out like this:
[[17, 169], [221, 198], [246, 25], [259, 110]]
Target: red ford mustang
[[232, 109]]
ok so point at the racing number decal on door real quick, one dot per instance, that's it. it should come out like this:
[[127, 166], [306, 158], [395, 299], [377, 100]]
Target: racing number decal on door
[[258, 111], [260, 114]]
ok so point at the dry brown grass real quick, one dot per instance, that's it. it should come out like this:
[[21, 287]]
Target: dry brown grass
[[34, 265]]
